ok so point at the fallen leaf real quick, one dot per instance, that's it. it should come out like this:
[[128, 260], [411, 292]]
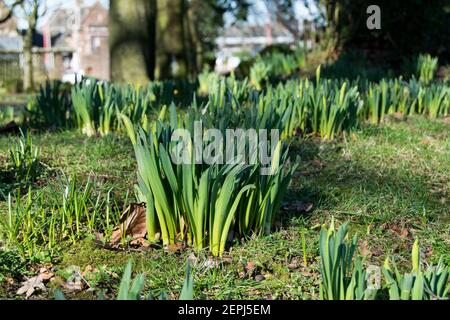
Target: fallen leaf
[[364, 249], [45, 274], [250, 266], [404, 234], [30, 286], [141, 242], [177, 247], [132, 223]]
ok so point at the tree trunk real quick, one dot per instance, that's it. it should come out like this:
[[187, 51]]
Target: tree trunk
[[28, 47], [132, 26], [172, 49], [28, 57]]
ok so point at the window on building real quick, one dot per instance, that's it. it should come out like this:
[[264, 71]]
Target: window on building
[[67, 60], [96, 43]]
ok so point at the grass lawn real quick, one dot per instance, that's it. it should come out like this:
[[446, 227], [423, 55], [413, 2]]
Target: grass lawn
[[392, 181]]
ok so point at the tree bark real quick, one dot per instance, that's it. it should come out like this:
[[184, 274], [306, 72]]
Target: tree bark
[[28, 57], [28, 48], [172, 49], [132, 26]]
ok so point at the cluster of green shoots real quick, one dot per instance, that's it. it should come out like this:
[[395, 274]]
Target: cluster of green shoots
[[199, 204], [405, 98], [36, 223], [426, 67], [431, 284], [275, 66], [95, 107], [345, 278], [259, 74], [24, 158], [6, 115], [52, 106], [324, 107], [131, 289]]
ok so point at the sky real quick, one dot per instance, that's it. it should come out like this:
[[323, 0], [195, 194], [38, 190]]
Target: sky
[[53, 5], [260, 14]]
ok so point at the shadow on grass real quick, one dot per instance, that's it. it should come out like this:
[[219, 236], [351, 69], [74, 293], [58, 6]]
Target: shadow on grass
[[337, 185]]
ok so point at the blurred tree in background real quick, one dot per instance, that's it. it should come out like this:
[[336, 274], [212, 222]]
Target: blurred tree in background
[[408, 27], [132, 28], [159, 39], [30, 11]]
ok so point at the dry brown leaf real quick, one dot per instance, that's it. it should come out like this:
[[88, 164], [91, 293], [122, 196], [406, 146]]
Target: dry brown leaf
[[177, 247], [250, 266], [226, 259], [141, 242], [364, 249], [34, 284], [30, 286], [404, 234], [132, 223], [9, 281]]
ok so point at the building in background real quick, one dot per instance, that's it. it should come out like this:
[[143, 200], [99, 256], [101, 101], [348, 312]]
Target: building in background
[[10, 43], [8, 28], [10, 38], [82, 34], [249, 39]]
